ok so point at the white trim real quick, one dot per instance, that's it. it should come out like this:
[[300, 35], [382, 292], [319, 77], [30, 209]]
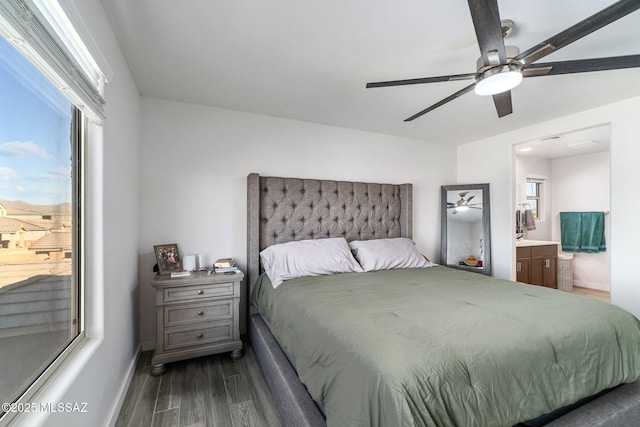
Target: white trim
[[60, 380], [124, 387], [591, 285], [71, 29], [76, 21], [543, 181], [61, 376], [25, 25]]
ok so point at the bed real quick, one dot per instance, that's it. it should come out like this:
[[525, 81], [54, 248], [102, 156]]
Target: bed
[[340, 366]]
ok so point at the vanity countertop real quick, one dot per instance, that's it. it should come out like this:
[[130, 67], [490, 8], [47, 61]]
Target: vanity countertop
[[527, 243]]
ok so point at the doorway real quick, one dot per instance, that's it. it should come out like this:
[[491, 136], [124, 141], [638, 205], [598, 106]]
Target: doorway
[[569, 172]]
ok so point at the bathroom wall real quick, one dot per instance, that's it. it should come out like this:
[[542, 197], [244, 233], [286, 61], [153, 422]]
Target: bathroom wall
[[583, 183]]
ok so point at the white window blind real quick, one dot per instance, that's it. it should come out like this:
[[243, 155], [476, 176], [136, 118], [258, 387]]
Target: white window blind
[[41, 31]]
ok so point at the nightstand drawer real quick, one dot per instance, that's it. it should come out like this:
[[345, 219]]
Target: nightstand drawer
[[193, 313], [186, 337], [194, 292]]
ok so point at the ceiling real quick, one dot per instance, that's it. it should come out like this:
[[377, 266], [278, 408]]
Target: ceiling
[[310, 60], [577, 143]]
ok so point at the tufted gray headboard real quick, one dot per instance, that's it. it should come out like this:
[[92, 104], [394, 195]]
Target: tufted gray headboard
[[280, 210]]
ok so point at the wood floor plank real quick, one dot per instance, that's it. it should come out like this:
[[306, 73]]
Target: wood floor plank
[[218, 394], [237, 389], [260, 393], [592, 293], [143, 411], [168, 418], [195, 395], [244, 415], [145, 358], [170, 392], [133, 394], [232, 367]]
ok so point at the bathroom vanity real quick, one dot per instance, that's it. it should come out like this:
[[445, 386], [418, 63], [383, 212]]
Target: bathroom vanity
[[537, 262]]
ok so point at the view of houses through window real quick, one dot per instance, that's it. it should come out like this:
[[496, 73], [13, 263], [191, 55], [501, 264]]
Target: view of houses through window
[[39, 183]]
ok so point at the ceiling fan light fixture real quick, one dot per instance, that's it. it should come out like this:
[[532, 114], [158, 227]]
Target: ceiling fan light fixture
[[498, 79], [462, 208]]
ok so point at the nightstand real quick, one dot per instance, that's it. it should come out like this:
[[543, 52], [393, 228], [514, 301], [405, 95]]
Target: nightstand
[[196, 315]]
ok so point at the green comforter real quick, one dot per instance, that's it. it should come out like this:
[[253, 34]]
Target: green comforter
[[444, 347]]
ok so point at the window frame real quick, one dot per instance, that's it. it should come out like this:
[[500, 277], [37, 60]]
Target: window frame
[[52, 36], [78, 138], [538, 212]]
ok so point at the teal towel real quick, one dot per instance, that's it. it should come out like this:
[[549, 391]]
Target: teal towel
[[592, 230], [582, 231], [570, 231]]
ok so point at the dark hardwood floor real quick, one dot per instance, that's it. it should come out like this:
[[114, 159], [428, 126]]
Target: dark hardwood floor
[[211, 391]]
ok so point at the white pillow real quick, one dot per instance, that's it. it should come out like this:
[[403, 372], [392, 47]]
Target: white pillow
[[386, 254], [308, 258]]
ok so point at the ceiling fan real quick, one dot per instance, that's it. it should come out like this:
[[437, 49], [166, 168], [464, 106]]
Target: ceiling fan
[[463, 204], [500, 68]]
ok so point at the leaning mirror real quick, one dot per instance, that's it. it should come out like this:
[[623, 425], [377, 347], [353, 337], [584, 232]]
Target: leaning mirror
[[466, 234]]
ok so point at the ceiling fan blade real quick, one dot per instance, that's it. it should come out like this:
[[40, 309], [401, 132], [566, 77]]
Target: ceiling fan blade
[[438, 79], [486, 21], [442, 102], [503, 103], [470, 198], [581, 66], [585, 27]]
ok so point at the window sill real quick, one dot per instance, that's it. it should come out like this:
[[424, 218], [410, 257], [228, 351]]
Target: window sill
[[51, 388]]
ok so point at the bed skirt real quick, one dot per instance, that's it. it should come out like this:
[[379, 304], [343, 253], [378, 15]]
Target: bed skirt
[[293, 403]]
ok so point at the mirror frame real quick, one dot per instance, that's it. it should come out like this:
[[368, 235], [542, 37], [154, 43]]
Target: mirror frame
[[486, 223]]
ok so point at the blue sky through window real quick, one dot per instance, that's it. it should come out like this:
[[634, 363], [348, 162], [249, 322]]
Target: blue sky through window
[[35, 147]]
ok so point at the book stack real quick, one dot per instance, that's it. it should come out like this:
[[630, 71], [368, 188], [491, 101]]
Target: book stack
[[225, 265]]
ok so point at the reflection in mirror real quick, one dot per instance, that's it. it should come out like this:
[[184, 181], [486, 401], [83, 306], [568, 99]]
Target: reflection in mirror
[[466, 236]]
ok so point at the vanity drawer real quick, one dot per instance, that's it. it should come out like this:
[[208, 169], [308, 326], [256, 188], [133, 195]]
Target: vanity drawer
[[176, 315], [190, 336], [544, 251], [184, 293], [523, 252]]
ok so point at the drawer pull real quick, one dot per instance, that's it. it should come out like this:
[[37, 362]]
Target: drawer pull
[[200, 313], [199, 336], [200, 292]]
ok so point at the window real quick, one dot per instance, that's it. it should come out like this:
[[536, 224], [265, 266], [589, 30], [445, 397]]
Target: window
[[534, 196], [51, 85], [40, 228]]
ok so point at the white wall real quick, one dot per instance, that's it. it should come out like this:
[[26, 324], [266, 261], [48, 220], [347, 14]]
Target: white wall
[[196, 159], [582, 183], [97, 373], [495, 162], [463, 239]]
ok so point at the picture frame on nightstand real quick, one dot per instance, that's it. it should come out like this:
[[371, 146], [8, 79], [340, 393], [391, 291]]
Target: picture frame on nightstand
[[168, 258]]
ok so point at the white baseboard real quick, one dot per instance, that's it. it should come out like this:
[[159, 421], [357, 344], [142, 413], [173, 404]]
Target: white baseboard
[[589, 285], [124, 387]]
